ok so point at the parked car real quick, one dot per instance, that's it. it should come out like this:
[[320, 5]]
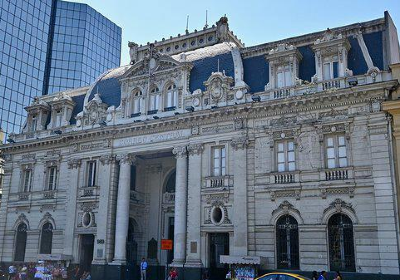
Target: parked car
[[282, 276]]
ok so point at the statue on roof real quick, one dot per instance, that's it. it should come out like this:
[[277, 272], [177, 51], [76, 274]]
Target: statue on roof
[[133, 51]]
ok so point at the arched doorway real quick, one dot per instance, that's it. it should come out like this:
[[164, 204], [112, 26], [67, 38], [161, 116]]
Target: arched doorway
[[287, 243], [131, 244], [46, 238], [20, 245], [341, 243]]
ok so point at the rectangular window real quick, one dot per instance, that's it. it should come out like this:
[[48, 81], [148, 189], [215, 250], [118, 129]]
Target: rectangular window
[[285, 156], [219, 164], [27, 180], [330, 70], [33, 124], [51, 178], [91, 173], [336, 154], [58, 119], [284, 77], [136, 105], [154, 102]]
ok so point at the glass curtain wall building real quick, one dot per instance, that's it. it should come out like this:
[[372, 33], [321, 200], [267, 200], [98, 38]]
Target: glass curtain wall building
[[48, 46]]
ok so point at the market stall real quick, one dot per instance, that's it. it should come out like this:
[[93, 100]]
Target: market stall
[[50, 265], [242, 267]]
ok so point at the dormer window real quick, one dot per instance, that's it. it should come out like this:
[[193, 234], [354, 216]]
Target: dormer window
[[33, 126], [171, 97], [136, 102], [283, 66], [58, 120], [331, 69], [154, 99], [330, 56], [284, 77], [62, 106]]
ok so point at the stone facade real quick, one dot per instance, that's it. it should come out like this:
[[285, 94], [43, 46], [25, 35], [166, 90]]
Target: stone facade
[[242, 160]]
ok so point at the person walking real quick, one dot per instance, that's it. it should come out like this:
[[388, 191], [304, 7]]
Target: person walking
[[338, 276], [12, 270], [323, 275], [314, 275], [143, 269]]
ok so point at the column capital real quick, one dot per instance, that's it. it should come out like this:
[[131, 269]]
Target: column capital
[[107, 159], [239, 143], [74, 163], [195, 149], [126, 158], [180, 151]]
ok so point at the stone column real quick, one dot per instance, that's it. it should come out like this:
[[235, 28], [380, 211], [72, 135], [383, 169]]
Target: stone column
[[194, 206], [73, 166], [180, 206], [240, 196], [122, 216]]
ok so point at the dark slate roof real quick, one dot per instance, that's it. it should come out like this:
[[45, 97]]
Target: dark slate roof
[[307, 63], [256, 72], [356, 60], [374, 42], [109, 89], [203, 68]]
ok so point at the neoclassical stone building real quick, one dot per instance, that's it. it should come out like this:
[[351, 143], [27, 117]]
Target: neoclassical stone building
[[279, 150]]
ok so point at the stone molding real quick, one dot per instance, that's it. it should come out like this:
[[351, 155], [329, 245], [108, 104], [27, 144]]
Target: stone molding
[[21, 219], [239, 143], [339, 206], [47, 218], [126, 158], [180, 152], [195, 149], [74, 163], [286, 208], [107, 159]]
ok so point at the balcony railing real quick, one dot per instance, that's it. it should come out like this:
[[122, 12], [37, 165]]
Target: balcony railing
[[152, 112], [172, 108], [336, 83], [333, 174], [89, 191], [23, 196], [284, 178], [218, 182], [49, 194]]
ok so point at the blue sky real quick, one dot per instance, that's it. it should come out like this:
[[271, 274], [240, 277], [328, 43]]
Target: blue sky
[[255, 22]]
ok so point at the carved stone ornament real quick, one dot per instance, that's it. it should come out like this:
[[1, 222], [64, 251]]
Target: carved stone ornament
[[74, 163], [180, 152], [339, 205], [107, 159], [195, 149], [217, 86], [239, 143], [286, 208], [126, 158], [21, 219]]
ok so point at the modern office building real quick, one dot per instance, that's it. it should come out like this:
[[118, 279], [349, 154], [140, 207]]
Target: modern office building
[[48, 46], [278, 155]]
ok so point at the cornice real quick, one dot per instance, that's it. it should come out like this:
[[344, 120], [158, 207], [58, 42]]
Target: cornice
[[296, 104]]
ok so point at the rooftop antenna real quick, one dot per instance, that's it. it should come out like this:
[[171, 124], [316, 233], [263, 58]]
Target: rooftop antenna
[[206, 26], [187, 24]]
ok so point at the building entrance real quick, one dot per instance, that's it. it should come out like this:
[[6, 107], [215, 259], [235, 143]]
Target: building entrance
[[86, 251], [219, 245]]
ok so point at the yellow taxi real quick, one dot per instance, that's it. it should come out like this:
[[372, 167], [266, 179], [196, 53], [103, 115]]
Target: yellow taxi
[[282, 276]]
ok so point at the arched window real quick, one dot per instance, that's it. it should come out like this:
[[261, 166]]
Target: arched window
[[20, 244], [136, 102], [287, 242], [46, 238], [154, 99], [341, 243], [171, 98], [131, 244]]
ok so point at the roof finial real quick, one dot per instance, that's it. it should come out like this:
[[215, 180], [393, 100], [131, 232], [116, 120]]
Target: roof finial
[[187, 24], [206, 26]]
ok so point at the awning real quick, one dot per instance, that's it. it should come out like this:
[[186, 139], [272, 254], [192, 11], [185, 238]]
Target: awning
[[226, 259], [54, 257]]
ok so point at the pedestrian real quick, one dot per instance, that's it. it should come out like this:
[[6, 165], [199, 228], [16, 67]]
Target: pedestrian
[[323, 275], [338, 276], [205, 275], [143, 269], [12, 270], [314, 275], [173, 274], [23, 273], [76, 273]]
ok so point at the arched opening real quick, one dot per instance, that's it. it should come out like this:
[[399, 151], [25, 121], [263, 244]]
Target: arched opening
[[131, 244], [20, 245], [170, 185], [171, 98], [136, 102], [341, 243], [46, 238], [287, 242]]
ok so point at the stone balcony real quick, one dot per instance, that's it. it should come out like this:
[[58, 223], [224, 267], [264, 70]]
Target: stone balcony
[[218, 182], [334, 174], [286, 177], [88, 192]]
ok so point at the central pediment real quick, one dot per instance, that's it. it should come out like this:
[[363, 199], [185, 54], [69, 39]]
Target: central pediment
[[153, 65]]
